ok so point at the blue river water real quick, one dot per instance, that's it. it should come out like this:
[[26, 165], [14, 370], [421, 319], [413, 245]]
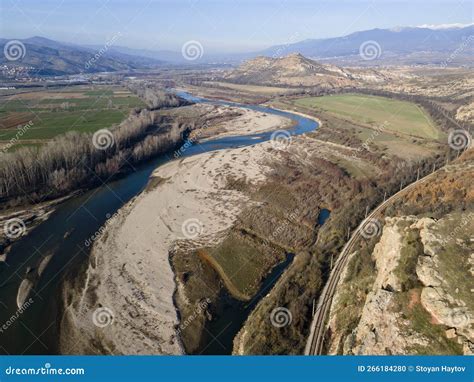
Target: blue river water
[[64, 235], [323, 216]]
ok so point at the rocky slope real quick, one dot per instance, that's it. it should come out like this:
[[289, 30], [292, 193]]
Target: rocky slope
[[297, 70], [418, 297]]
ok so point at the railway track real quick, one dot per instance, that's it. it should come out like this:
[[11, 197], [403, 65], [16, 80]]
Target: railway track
[[314, 345]]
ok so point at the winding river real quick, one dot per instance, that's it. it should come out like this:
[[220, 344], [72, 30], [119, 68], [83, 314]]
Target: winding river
[[62, 239]]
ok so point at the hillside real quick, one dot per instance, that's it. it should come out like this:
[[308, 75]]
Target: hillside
[[43, 56], [297, 70], [408, 289]]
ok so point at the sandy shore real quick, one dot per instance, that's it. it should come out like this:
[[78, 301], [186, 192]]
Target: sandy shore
[[129, 276], [320, 123], [244, 122], [251, 122]]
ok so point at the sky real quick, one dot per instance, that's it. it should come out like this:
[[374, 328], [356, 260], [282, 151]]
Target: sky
[[219, 25]]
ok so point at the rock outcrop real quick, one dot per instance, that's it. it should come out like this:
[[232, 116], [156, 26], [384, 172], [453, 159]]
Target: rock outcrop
[[439, 292], [436, 296], [378, 331]]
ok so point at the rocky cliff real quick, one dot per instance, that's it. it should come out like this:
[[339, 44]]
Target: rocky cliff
[[410, 292]]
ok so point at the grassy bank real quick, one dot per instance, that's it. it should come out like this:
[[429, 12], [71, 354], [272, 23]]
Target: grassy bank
[[390, 114]]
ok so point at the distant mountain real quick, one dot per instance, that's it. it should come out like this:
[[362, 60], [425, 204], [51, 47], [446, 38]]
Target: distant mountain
[[297, 70], [438, 44], [173, 57], [410, 44], [160, 55], [444, 26], [428, 44], [49, 57]]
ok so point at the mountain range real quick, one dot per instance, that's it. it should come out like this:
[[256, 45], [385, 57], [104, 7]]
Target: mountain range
[[49, 57], [399, 42], [414, 45], [449, 45]]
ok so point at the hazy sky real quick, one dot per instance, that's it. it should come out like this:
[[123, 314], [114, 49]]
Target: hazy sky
[[219, 25]]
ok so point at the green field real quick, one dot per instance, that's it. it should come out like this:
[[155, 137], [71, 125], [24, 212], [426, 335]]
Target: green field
[[56, 111], [252, 88], [379, 112], [240, 265]]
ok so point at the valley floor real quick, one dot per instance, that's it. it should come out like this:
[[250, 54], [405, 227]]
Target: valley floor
[[187, 203], [222, 220]]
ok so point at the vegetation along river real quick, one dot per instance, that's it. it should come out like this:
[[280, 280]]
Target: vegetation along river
[[57, 247]]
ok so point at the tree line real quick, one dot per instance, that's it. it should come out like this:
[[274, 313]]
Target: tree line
[[73, 160], [154, 97]]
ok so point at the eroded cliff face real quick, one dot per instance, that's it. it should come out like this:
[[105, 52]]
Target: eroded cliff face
[[446, 270], [420, 300], [378, 331]]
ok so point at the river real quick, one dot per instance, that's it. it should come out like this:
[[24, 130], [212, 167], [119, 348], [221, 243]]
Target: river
[[64, 235]]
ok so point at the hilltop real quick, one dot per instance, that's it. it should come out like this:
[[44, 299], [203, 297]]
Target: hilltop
[[298, 70]]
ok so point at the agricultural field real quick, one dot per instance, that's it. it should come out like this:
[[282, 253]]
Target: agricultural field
[[31, 118], [380, 137], [260, 89], [376, 112]]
